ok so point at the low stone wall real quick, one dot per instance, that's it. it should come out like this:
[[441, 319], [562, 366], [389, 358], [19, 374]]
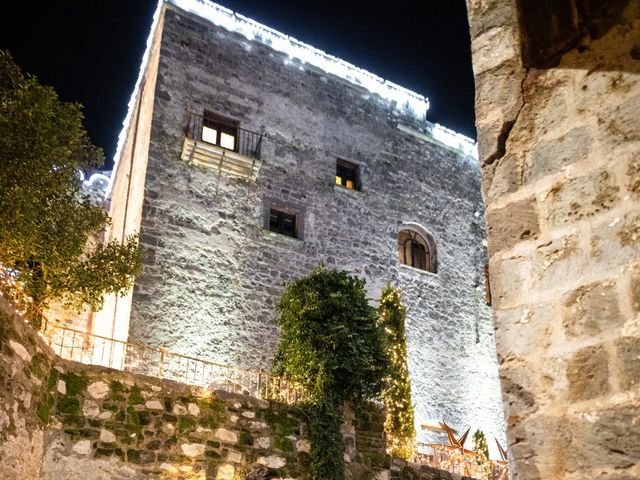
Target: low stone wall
[[25, 363], [142, 427], [65, 420]]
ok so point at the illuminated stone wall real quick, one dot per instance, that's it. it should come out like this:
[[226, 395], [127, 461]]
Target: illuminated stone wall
[[61, 420], [558, 103], [213, 272]]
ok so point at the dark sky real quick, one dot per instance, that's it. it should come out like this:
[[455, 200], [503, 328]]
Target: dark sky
[[90, 50]]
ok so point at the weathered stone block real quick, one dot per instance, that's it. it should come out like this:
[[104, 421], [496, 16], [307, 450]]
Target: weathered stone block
[[588, 373], [592, 309], [494, 47], [582, 197], [98, 390], [628, 354], [550, 155], [607, 439], [615, 243], [521, 332], [555, 262], [508, 278], [509, 225], [518, 389]]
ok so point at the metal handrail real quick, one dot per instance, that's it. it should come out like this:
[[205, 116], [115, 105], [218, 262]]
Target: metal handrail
[[248, 143], [461, 461], [92, 349]]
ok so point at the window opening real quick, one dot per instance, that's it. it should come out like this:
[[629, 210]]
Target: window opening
[[282, 222], [416, 251], [217, 131], [347, 175]]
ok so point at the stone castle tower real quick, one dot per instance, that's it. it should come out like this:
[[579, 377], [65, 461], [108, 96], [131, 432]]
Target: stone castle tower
[[248, 158]]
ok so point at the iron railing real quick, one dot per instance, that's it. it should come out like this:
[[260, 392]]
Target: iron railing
[[247, 143], [461, 461], [92, 349]]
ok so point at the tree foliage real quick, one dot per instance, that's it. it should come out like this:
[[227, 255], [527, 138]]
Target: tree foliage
[[333, 345], [396, 395], [480, 443], [48, 232]]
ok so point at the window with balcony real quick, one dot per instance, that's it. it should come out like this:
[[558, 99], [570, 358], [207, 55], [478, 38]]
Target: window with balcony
[[214, 141], [219, 131], [347, 175]]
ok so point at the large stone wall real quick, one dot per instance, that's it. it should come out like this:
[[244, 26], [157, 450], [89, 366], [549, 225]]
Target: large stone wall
[[62, 420], [213, 272], [558, 103]]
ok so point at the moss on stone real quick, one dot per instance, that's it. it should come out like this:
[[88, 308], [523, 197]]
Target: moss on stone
[[75, 384], [43, 412], [280, 422], [73, 420], [53, 378], [283, 443], [133, 455], [68, 405], [375, 459], [135, 396], [117, 387], [186, 424], [39, 366], [112, 407], [74, 432], [408, 473], [246, 438]]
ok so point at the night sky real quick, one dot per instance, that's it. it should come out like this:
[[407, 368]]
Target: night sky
[[90, 51]]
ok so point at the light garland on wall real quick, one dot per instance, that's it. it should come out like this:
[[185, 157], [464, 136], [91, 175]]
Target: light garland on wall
[[399, 423]]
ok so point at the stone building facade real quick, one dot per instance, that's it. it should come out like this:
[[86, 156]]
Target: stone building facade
[[557, 103], [206, 214]]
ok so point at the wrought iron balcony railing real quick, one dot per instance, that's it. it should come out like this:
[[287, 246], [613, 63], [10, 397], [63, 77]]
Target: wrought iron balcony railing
[[213, 143]]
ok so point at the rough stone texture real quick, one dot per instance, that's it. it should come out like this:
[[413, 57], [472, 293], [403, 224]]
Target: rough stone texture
[[557, 111], [25, 362], [215, 272], [52, 435]]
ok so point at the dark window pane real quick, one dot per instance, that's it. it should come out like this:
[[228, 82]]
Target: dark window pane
[[273, 220], [282, 222], [347, 175]]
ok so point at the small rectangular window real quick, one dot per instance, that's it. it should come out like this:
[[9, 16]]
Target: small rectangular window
[[282, 222], [347, 175], [219, 131]]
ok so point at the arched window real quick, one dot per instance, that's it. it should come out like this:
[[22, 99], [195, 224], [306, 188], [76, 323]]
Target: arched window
[[417, 249]]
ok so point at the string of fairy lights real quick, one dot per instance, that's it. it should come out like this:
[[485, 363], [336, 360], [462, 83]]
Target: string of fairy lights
[[399, 424]]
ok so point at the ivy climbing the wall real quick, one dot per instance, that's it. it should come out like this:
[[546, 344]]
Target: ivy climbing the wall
[[333, 345], [396, 395]]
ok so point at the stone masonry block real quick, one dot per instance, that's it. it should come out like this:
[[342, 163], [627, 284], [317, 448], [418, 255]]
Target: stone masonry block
[[607, 439], [508, 281], [582, 197], [628, 353], [592, 309], [522, 331], [549, 155], [518, 390], [635, 294], [588, 373], [509, 225]]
